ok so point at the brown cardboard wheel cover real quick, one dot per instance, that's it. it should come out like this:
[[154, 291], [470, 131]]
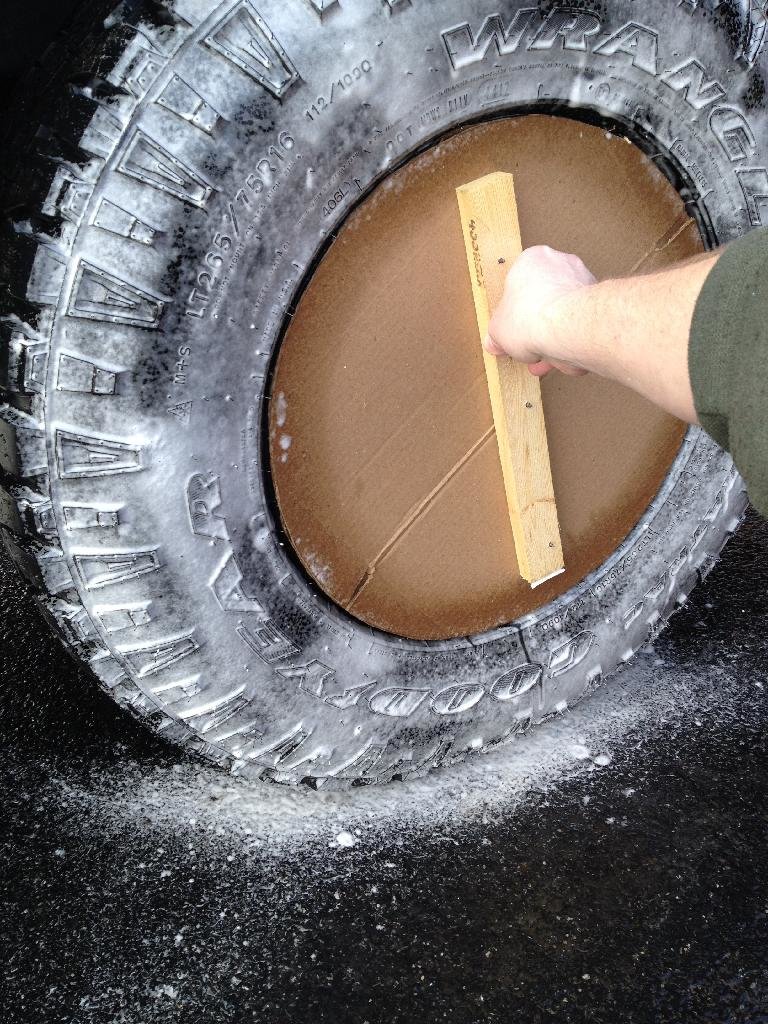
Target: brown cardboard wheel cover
[[382, 450]]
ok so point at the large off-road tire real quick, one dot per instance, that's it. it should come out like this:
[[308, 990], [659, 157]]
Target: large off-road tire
[[204, 156]]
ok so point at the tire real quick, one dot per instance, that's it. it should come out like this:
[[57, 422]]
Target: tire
[[141, 271]]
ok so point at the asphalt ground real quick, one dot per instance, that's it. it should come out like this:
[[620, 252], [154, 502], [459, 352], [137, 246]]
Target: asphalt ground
[[610, 866]]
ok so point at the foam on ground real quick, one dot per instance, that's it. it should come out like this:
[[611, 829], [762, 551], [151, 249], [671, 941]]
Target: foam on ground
[[645, 698]]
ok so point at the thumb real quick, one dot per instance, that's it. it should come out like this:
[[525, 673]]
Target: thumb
[[491, 347]]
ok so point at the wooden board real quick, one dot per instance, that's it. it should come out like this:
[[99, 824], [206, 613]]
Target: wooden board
[[492, 238]]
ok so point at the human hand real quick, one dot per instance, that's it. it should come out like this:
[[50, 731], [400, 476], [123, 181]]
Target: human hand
[[531, 323]]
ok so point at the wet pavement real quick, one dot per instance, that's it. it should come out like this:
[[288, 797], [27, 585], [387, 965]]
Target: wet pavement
[[611, 866]]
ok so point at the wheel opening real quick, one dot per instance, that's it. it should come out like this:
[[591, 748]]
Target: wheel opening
[[381, 451]]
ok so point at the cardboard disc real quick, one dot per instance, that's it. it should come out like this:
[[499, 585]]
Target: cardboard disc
[[382, 451]]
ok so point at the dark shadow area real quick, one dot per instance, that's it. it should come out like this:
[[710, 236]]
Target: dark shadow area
[[28, 29]]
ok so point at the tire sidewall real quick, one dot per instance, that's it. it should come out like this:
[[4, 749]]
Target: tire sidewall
[[312, 691]]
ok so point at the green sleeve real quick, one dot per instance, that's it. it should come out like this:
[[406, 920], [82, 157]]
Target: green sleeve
[[728, 359]]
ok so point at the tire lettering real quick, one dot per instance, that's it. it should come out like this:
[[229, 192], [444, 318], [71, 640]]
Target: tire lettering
[[349, 696], [318, 680], [572, 28], [732, 131], [227, 587], [203, 501], [639, 42], [689, 80], [564, 658], [754, 185], [455, 699], [397, 702], [311, 677], [517, 683], [268, 643], [465, 48]]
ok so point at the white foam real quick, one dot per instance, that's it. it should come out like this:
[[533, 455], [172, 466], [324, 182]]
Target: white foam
[[269, 819]]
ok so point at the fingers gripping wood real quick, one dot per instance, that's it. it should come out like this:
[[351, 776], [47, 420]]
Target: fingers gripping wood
[[492, 237]]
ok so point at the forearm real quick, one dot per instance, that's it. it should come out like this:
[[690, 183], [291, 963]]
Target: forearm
[[697, 329], [634, 331]]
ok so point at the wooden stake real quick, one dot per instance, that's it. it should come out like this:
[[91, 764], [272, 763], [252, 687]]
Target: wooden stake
[[492, 238]]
